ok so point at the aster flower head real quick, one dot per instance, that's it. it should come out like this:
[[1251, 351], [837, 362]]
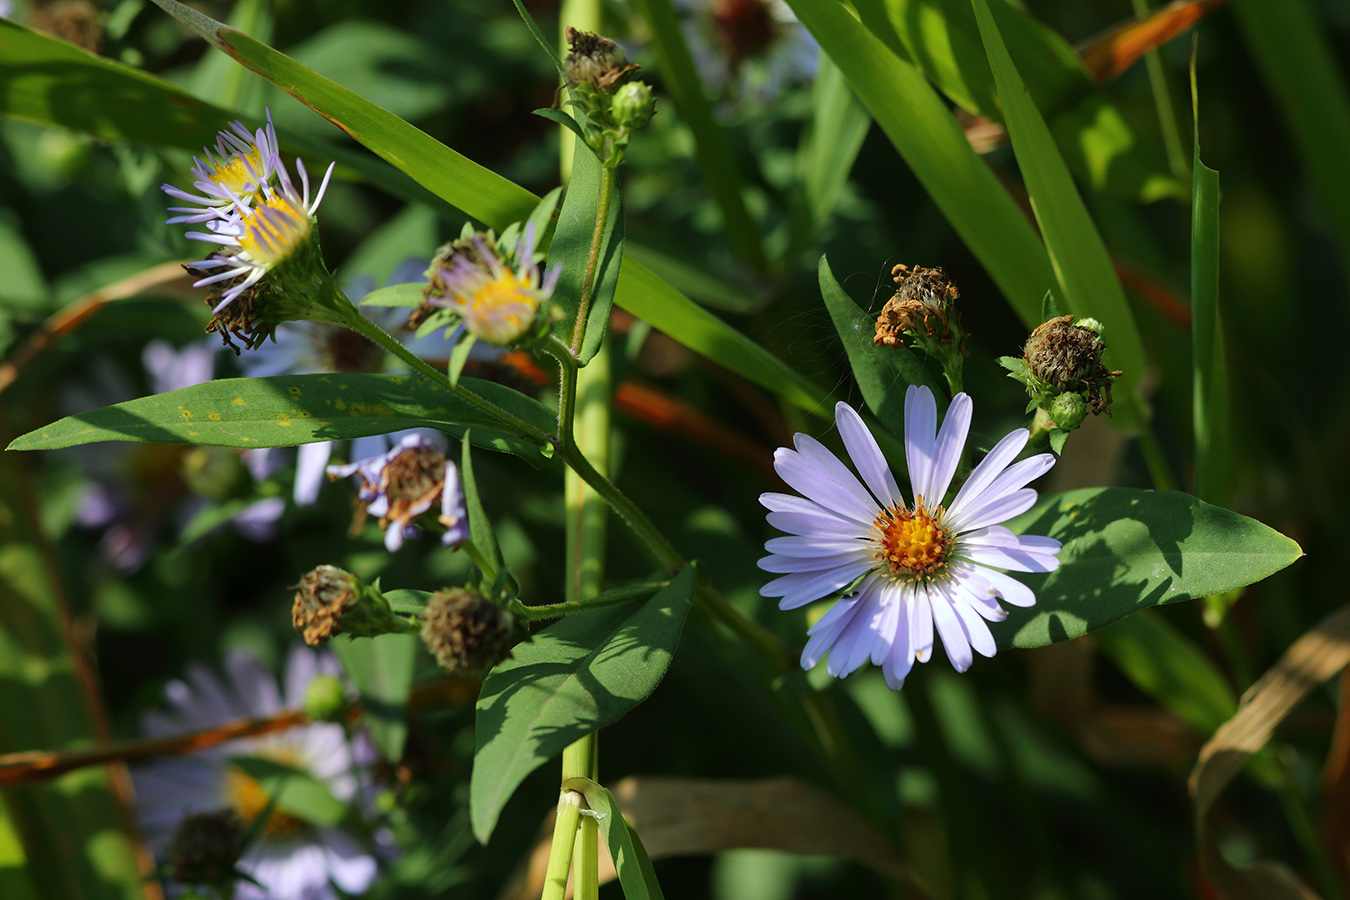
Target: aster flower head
[[404, 482], [907, 570], [289, 859], [243, 162], [496, 291]]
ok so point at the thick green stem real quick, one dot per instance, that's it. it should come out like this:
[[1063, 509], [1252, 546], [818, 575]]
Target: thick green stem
[[600, 601], [607, 178], [560, 853]]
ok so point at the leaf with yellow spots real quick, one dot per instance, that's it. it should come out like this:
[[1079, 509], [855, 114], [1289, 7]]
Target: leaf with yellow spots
[[299, 409]]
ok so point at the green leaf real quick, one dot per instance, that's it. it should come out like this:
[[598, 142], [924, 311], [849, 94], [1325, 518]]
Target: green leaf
[[287, 410], [296, 792], [15, 882], [1083, 269], [460, 355], [395, 295], [407, 602], [1050, 308], [1162, 661], [638, 882], [571, 249], [74, 829], [883, 373], [1211, 396], [572, 678], [1126, 550], [921, 127], [381, 668], [563, 119], [716, 160], [481, 534]]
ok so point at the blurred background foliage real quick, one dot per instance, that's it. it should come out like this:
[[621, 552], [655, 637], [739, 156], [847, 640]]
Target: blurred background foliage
[[1043, 774]]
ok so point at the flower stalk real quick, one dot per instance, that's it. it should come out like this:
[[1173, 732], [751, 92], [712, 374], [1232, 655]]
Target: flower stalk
[[608, 174]]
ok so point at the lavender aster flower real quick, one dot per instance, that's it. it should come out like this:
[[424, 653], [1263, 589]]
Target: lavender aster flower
[[291, 859], [908, 570], [405, 482], [497, 294], [232, 176]]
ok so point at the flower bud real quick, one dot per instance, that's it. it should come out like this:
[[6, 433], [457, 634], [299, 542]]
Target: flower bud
[[1068, 411], [206, 847], [1068, 358], [633, 105], [325, 699], [594, 61], [330, 601], [467, 632]]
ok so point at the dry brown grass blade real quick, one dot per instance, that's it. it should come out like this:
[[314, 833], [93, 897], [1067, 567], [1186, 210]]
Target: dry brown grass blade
[[1111, 54], [72, 316], [1311, 660], [692, 816]]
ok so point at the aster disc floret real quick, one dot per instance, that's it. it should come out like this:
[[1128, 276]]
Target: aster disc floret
[[406, 481], [908, 570], [243, 162], [495, 292]]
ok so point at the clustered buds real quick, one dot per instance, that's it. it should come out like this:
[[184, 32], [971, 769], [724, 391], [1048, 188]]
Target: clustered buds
[[609, 107], [466, 632], [206, 848], [1067, 359], [924, 310], [330, 601]]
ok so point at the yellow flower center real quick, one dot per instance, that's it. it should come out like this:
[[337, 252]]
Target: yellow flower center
[[273, 230], [248, 798], [912, 543], [501, 310], [241, 174]]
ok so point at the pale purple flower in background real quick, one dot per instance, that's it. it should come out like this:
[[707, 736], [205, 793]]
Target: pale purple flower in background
[[908, 570], [405, 481], [291, 859]]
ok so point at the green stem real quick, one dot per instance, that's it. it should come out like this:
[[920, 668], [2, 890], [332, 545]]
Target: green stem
[[1155, 460], [600, 601], [560, 853], [1177, 157], [607, 178], [366, 328]]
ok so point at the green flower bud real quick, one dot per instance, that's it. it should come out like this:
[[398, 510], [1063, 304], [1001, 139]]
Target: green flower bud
[[467, 632], [206, 847], [633, 105], [330, 601], [1068, 411], [325, 699]]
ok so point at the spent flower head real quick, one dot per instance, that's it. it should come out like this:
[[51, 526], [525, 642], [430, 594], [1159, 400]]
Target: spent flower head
[[608, 107], [331, 601], [1062, 369], [406, 481], [905, 570], [467, 632], [496, 291]]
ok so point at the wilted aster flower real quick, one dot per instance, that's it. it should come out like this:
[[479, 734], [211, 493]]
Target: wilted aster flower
[[234, 174], [405, 482], [291, 859], [908, 568], [497, 297]]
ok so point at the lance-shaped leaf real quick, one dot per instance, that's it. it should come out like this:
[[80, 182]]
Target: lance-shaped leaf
[[381, 668], [287, 410], [572, 678], [1127, 549]]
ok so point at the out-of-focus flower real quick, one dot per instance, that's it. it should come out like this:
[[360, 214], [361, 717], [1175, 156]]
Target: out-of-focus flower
[[137, 488], [404, 482], [291, 859], [748, 48], [906, 569], [496, 291]]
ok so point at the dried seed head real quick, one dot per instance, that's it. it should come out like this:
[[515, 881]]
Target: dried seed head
[[206, 847], [594, 61], [745, 29], [239, 320], [321, 598], [923, 307], [466, 632], [1068, 357]]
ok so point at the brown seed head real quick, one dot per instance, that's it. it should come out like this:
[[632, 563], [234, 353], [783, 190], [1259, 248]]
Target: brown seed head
[[321, 597], [206, 847], [1069, 358], [595, 61], [745, 28], [924, 304], [466, 632]]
